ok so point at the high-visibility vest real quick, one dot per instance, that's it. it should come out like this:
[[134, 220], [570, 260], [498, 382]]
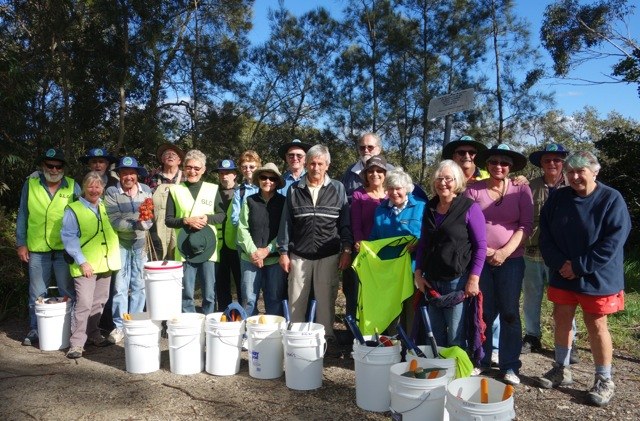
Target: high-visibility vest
[[44, 223], [99, 241]]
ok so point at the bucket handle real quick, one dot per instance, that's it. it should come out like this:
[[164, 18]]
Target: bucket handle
[[143, 346], [194, 337], [423, 398], [175, 281], [324, 351], [231, 344]]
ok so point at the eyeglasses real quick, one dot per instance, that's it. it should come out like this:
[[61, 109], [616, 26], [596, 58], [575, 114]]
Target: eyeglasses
[[554, 160], [273, 179], [52, 166], [367, 147], [446, 179], [190, 167], [495, 162], [464, 152], [295, 155], [247, 167]]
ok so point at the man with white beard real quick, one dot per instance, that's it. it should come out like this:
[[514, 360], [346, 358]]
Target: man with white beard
[[39, 244]]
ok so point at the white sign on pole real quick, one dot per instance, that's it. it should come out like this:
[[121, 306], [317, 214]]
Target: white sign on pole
[[450, 103]]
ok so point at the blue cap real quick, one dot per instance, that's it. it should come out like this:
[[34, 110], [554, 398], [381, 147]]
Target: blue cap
[[226, 165], [97, 153]]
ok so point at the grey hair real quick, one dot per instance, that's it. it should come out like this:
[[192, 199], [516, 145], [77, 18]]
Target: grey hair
[[373, 135], [398, 178], [318, 150], [582, 159], [195, 155], [458, 176], [89, 178]]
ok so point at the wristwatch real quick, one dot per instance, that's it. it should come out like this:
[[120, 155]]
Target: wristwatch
[[346, 250]]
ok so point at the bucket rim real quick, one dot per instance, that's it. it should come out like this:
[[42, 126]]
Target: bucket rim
[[158, 265]]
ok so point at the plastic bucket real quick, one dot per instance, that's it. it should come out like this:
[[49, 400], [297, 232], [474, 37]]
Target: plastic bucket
[[463, 401], [448, 364], [186, 343], [224, 345], [266, 351], [54, 324], [141, 344], [372, 375], [163, 285], [304, 348], [417, 399]]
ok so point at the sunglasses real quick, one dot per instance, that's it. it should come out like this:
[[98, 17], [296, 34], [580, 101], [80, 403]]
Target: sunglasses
[[52, 166], [495, 162], [295, 155], [272, 178], [462, 152], [554, 160], [367, 147], [376, 170], [189, 167]]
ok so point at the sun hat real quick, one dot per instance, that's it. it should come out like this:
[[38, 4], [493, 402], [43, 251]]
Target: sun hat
[[97, 153], [282, 150], [226, 165], [52, 154], [130, 162], [197, 246], [450, 148], [268, 167], [168, 146], [554, 148], [519, 160]]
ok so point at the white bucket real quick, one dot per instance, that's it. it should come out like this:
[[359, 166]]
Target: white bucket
[[224, 345], [54, 324], [163, 285], [186, 343], [141, 344], [372, 375], [463, 401], [304, 348], [266, 352], [417, 399], [448, 364]]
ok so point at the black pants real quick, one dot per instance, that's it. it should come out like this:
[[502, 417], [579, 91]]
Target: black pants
[[229, 265]]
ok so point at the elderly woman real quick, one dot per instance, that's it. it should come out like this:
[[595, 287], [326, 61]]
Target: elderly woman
[[508, 211], [193, 209], [257, 235], [582, 233], [451, 250], [92, 243]]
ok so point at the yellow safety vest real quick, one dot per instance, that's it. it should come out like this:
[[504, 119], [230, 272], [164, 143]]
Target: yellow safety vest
[[44, 223], [187, 206], [98, 239]]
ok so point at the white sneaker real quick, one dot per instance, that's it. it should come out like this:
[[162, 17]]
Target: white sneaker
[[116, 335], [476, 371], [244, 344], [495, 360], [510, 377]]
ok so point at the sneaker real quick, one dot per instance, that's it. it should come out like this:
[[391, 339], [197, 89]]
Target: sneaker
[[74, 352], [510, 377], [495, 359], [31, 338], [602, 391], [116, 336], [99, 341], [559, 375], [573, 356], [244, 344], [530, 344], [476, 371]]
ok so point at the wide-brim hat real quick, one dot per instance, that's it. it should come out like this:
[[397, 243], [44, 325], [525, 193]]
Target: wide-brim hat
[[97, 153], [268, 167], [450, 148], [166, 146], [554, 148], [197, 246], [130, 162], [374, 161], [519, 160], [52, 154], [282, 150]]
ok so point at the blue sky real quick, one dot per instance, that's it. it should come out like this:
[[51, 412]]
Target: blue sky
[[570, 98]]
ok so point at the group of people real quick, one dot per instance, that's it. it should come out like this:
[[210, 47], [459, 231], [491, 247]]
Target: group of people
[[289, 235]]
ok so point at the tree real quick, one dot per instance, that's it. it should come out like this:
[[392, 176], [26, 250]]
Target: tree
[[574, 34]]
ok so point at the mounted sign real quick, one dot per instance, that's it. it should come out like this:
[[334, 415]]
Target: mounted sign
[[450, 103]]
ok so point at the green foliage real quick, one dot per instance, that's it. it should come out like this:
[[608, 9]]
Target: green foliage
[[14, 281]]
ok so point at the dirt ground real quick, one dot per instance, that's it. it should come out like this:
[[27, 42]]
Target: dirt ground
[[38, 385]]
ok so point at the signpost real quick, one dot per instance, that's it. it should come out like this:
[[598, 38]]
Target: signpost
[[446, 105]]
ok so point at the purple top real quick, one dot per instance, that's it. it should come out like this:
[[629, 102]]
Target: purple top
[[504, 219], [475, 225], [363, 208]]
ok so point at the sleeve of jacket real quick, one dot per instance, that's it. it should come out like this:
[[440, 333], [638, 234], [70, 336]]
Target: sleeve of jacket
[[344, 219], [553, 257], [244, 240], [286, 224]]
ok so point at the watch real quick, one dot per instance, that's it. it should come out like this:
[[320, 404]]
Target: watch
[[346, 250]]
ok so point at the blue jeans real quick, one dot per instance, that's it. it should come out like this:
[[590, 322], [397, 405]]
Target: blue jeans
[[273, 282], [41, 267], [206, 272], [129, 294], [501, 287], [448, 324]]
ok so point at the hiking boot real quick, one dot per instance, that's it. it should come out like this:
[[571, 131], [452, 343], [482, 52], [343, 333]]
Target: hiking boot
[[99, 341], [31, 338], [559, 375], [530, 344], [573, 356], [602, 391], [116, 336], [74, 352], [510, 377]]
